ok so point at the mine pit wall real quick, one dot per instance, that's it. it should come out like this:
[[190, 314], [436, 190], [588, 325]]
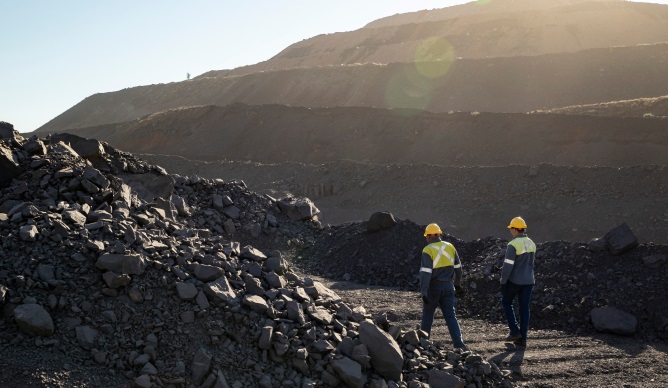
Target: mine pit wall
[[559, 202]]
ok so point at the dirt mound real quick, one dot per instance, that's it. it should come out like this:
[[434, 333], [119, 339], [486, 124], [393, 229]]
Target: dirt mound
[[275, 133], [572, 279], [517, 84]]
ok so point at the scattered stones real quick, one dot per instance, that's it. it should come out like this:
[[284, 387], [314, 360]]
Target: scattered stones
[[177, 281]]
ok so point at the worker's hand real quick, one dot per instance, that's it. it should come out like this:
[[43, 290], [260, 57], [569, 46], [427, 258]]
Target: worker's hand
[[459, 291], [424, 299]]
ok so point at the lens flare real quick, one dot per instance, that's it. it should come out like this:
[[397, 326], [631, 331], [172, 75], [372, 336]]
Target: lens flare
[[412, 85], [408, 89], [433, 57]]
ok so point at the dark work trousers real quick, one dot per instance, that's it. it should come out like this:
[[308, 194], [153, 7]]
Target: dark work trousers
[[523, 294], [442, 295]]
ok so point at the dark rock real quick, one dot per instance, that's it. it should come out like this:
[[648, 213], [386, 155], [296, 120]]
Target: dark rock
[[386, 356], [621, 239], [33, 319], [597, 244], [380, 221], [6, 130], [611, 320], [654, 261], [298, 208], [9, 166], [87, 148]]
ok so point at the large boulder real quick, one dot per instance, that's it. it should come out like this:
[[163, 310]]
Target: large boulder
[[86, 148], [298, 208], [33, 319], [386, 356], [611, 320], [9, 166], [200, 366], [380, 221], [221, 290], [150, 185], [131, 264], [349, 371], [620, 239], [442, 379], [6, 130]]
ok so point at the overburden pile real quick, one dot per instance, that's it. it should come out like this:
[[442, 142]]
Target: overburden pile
[[125, 275], [574, 281]]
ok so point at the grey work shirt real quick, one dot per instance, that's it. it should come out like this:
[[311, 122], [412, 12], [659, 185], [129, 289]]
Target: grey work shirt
[[518, 268]]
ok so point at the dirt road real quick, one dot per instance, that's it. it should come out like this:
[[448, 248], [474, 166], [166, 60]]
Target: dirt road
[[551, 359]]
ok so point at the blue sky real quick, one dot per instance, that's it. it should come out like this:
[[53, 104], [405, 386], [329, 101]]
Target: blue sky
[[56, 53]]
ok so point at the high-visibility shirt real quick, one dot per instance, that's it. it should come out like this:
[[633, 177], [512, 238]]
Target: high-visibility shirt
[[519, 261], [440, 263]]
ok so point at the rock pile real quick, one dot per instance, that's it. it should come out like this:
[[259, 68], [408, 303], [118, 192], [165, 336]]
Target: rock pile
[[572, 279], [174, 281]]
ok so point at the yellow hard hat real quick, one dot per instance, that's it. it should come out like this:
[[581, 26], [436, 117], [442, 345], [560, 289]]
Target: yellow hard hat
[[517, 223], [432, 229]]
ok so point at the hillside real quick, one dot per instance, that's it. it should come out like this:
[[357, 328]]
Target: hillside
[[477, 30], [500, 56], [485, 85], [275, 133], [479, 8]]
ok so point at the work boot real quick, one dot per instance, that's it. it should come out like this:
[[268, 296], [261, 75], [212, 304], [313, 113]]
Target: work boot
[[462, 347], [513, 337], [520, 342]]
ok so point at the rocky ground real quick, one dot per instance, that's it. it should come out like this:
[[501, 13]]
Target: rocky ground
[[111, 284], [553, 358], [115, 273]]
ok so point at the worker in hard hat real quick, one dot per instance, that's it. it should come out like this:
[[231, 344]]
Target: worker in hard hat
[[517, 280], [440, 279]]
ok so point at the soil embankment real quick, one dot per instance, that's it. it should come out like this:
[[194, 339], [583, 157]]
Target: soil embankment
[[562, 202]]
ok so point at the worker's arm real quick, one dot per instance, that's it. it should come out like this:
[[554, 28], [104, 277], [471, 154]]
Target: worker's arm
[[508, 263], [458, 270], [425, 273]]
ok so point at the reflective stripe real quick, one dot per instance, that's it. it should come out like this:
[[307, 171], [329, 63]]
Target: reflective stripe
[[442, 252], [458, 265], [511, 262], [423, 269], [523, 245]]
